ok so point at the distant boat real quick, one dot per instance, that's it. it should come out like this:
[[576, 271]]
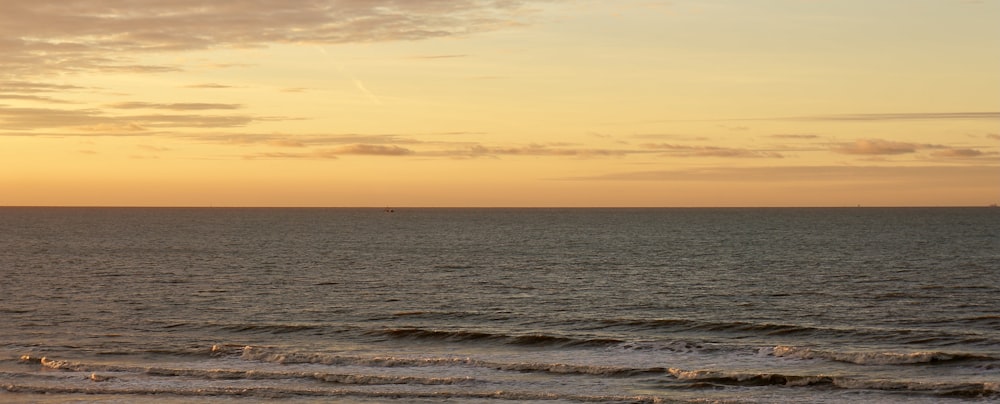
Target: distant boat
[[389, 210]]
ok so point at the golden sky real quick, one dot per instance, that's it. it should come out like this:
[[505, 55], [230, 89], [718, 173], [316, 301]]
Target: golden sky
[[500, 102]]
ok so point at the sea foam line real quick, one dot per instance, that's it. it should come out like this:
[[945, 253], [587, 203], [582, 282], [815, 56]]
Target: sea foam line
[[282, 357], [275, 393], [723, 378], [872, 358], [212, 374]]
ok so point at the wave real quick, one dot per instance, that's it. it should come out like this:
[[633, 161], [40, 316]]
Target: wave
[[279, 393], [214, 374], [767, 329], [286, 357], [508, 339], [134, 380], [747, 379], [274, 328], [711, 378], [874, 358], [715, 326]]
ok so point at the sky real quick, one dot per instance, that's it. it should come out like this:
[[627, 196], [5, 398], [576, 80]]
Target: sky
[[497, 103]]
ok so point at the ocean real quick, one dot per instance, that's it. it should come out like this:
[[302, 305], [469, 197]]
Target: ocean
[[206, 305]]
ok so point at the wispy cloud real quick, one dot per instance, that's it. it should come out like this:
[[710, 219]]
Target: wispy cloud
[[12, 118], [35, 91], [189, 106], [479, 150], [289, 140], [43, 36], [30, 97], [880, 147], [923, 116], [208, 85], [711, 151], [809, 174], [963, 153], [794, 136], [669, 136], [35, 87], [438, 57], [373, 150], [116, 128], [336, 152], [361, 87]]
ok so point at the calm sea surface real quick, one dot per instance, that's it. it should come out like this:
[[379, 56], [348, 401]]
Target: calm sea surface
[[500, 305]]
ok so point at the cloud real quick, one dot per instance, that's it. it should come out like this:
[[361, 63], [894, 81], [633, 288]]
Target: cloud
[[993, 136], [962, 153], [336, 152], [711, 151], [901, 116], [735, 128], [805, 174], [479, 150], [794, 136], [373, 150], [876, 147], [669, 136], [287, 140], [32, 91], [35, 87], [153, 148], [114, 128], [208, 85], [438, 56], [12, 118], [29, 97], [40, 37], [190, 106]]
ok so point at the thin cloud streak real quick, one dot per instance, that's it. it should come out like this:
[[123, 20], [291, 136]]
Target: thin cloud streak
[[905, 116], [807, 174], [209, 86], [964, 154], [881, 147], [794, 136], [337, 152], [47, 118], [183, 106], [288, 140], [36, 98], [710, 151], [929, 116], [41, 37]]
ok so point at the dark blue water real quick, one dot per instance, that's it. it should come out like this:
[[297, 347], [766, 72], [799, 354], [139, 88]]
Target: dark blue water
[[500, 305]]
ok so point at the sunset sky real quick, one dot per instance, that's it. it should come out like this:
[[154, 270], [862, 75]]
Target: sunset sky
[[499, 102]]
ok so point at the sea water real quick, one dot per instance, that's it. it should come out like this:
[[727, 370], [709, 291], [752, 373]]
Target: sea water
[[500, 305]]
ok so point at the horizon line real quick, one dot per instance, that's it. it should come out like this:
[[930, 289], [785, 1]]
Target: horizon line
[[861, 206]]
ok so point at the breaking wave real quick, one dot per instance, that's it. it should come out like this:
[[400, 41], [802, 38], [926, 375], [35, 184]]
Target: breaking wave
[[474, 336], [353, 379], [285, 357], [874, 358], [709, 378], [279, 393]]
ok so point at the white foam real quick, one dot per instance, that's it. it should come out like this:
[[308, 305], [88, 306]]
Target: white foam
[[862, 358]]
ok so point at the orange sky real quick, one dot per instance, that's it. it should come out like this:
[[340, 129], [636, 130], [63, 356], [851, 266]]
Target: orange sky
[[500, 103]]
